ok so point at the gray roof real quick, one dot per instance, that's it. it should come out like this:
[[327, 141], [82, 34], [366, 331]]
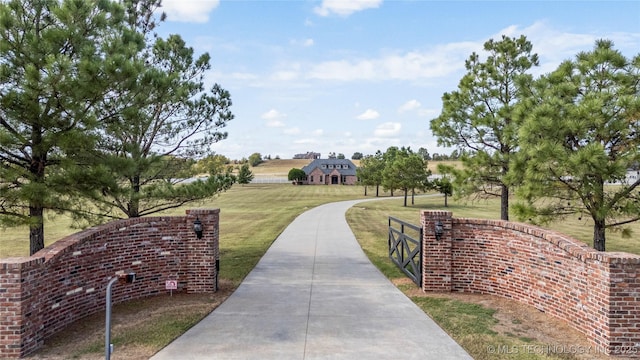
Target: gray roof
[[330, 165]]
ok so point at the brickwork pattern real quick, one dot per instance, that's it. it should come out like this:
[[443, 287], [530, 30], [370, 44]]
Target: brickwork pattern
[[67, 281], [597, 293]]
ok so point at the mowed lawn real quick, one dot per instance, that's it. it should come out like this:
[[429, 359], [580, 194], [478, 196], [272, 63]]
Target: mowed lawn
[[255, 214], [251, 217]]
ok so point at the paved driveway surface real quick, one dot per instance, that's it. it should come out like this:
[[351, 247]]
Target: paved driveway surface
[[315, 295]]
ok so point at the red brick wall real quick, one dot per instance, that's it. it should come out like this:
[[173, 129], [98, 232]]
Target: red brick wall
[[318, 177], [597, 293], [350, 180], [66, 281]]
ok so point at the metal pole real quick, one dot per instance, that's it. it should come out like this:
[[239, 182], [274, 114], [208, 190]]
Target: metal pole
[[107, 336], [217, 272]]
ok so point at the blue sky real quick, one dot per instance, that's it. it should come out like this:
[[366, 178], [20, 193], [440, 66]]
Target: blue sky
[[349, 76]]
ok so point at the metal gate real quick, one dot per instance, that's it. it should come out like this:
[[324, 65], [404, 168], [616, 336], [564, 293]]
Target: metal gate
[[405, 248]]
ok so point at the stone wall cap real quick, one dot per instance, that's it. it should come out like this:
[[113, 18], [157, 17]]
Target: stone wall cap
[[202, 211]]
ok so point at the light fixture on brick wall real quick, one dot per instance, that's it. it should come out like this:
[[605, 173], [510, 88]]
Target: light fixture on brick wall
[[439, 230], [197, 227]]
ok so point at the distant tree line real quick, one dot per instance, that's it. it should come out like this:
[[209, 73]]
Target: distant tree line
[[455, 155]]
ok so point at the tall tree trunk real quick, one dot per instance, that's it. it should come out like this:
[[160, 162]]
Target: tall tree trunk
[[599, 235], [36, 207], [365, 190], [377, 190], [504, 203], [413, 195], [36, 229], [405, 196], [445, 200], [134, 201]]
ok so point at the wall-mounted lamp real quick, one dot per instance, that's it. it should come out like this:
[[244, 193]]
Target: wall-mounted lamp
[[197, 227], [439, 230]]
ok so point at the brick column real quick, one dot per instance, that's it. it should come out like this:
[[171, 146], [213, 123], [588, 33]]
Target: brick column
[[203, 253], [622, 317], [436, 254]]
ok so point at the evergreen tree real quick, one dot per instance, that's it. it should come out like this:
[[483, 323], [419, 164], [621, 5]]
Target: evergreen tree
[[478, 117], [581, 134], [163, 118], [244, 174], [58, 60]]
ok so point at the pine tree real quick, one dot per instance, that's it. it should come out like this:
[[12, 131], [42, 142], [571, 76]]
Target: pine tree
[[155, 126], [58, 59], [580, 135], [478, 118], [244, 174]]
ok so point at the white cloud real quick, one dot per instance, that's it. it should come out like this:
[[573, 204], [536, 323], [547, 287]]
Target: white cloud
[[243, 76], [345, 7], [317, 132], [387, 129], [285, 75], [409, 105], [306, 141], [437, 62], [303, 43], [429, 113], [343, 70], [275, 123], [369, 114], [292, 131], [188, 11], [555, 45], [272, 114]]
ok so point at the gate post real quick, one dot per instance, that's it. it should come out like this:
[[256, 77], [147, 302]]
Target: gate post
[[203, 253], [436, 253]]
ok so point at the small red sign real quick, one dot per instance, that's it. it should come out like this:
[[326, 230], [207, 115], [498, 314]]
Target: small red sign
[[171, 285]]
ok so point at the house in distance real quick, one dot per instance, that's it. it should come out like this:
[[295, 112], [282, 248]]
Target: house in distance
[[308, 155], [330, 172]]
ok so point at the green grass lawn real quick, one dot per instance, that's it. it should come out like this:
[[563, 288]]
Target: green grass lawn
[[251, 217], [378, 213], [249, 212]]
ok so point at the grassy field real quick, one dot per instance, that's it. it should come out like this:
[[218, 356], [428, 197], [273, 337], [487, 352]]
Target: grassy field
[[250, 223], [581, 229], [278, 167], [243, 208], [281, 167]]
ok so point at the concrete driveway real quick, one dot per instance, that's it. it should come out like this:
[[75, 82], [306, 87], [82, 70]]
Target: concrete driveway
[[315, 295]]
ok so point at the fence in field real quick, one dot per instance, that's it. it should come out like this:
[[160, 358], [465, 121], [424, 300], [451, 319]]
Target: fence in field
[[269, 180]]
